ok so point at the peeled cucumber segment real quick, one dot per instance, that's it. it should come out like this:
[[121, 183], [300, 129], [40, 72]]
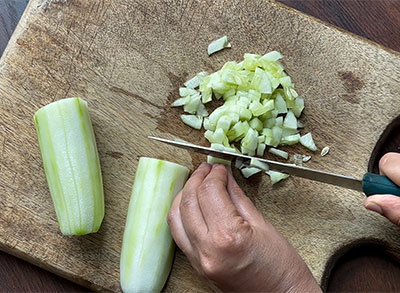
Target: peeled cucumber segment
[[147, 247], [71, 163]]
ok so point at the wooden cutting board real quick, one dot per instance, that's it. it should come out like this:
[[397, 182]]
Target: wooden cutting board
[[127, 58]]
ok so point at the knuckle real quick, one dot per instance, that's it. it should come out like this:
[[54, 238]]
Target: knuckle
[[209, 184], [210, 267], [224, 246], [187, 203], [205, 187], [229, 241]]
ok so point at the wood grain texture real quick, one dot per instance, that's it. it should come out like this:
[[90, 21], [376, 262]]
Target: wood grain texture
[[366, 267], [377, 21], [125, 73]]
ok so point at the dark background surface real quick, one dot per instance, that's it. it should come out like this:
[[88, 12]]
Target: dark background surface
[[10, 13], [365, 268]]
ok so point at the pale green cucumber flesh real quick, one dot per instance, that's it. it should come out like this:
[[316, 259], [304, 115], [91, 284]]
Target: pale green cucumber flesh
[[71, 164], [147, 247]]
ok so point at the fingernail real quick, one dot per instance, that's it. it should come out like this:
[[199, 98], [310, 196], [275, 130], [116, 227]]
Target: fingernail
[[374, 207]]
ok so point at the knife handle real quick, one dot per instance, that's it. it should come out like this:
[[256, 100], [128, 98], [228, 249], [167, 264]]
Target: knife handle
[[379, 184]]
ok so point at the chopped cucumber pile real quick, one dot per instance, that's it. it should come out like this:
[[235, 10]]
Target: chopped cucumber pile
[[261, 107]]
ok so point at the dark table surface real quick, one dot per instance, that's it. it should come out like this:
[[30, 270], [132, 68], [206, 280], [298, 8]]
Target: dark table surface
[[366, 268]]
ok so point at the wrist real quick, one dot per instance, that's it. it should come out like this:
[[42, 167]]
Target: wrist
[[305, 282], [310, 286]]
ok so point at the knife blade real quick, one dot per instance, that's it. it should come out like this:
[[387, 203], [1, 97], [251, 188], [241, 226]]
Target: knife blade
[[291, 169]]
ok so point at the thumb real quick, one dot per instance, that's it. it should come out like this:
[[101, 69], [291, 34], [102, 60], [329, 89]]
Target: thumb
[[386, 205]]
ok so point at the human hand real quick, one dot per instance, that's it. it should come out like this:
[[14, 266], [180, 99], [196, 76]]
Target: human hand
[[228, 241], [386, 204]]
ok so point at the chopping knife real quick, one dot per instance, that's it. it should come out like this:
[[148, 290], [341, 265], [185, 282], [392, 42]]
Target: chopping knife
[[370, 183]]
